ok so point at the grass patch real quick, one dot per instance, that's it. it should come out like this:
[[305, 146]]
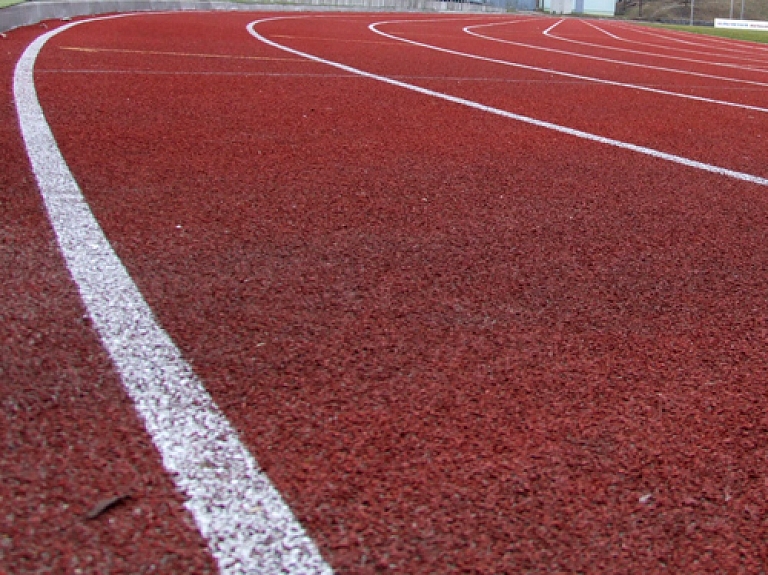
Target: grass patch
[[751, 35], [6, 3]]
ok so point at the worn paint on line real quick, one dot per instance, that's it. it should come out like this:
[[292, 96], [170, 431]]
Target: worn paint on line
[[198, 446]]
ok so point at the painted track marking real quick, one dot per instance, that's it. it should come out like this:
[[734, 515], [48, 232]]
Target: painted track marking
[[548, 33], [722, 44], [248, 526], [711, 49], [206, 73], [183, 54], [467, 29], [504, 113], [321, 39], [151, 365], [470, 30], [457, 79], [627, 85]]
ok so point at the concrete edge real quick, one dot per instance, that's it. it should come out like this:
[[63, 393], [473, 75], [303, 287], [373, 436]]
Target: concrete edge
[[33, 12]]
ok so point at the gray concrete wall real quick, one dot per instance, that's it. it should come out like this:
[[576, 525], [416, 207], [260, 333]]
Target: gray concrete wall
[[39, 10]]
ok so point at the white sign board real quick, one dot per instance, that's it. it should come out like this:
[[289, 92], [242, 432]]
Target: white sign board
[[741, 24]]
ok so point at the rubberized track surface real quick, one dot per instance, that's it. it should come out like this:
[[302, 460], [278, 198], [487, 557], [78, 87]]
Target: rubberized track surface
[[455, 341]]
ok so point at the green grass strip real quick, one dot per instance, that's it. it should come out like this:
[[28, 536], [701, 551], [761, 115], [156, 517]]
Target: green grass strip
[[6, 3], [750, 35]]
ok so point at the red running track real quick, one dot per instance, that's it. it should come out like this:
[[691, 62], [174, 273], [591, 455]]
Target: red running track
[[456, 342]]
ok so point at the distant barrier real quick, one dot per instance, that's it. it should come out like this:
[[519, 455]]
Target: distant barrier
[[676, 21], [38, 11], [741, 24]]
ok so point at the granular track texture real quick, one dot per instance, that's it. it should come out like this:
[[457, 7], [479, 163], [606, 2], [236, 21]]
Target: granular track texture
[[71, 440], [456, 343]]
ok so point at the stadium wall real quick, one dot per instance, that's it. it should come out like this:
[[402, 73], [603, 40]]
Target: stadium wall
[[37, 11], [590, 7]]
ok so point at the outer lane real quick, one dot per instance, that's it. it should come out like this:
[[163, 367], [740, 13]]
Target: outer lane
[[647, 44], [721, 49], [708, 132], [455, 343], [639, 66], [71, 440]]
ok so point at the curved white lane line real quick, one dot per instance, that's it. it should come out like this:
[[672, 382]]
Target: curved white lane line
[[248, 526], [548, 30], [470, 30], [548, 33], [710, 50], [505, 114], [606, 32], [552, 71], [704, 40]]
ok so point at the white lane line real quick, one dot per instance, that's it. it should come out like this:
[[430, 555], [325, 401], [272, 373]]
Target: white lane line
[[710, 50], [606, 32], [505, 114], [552, 71], [471, 30], [248, 526], [711, 42], [640, 87], [715, 41], [548, 30], [549, 34]]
